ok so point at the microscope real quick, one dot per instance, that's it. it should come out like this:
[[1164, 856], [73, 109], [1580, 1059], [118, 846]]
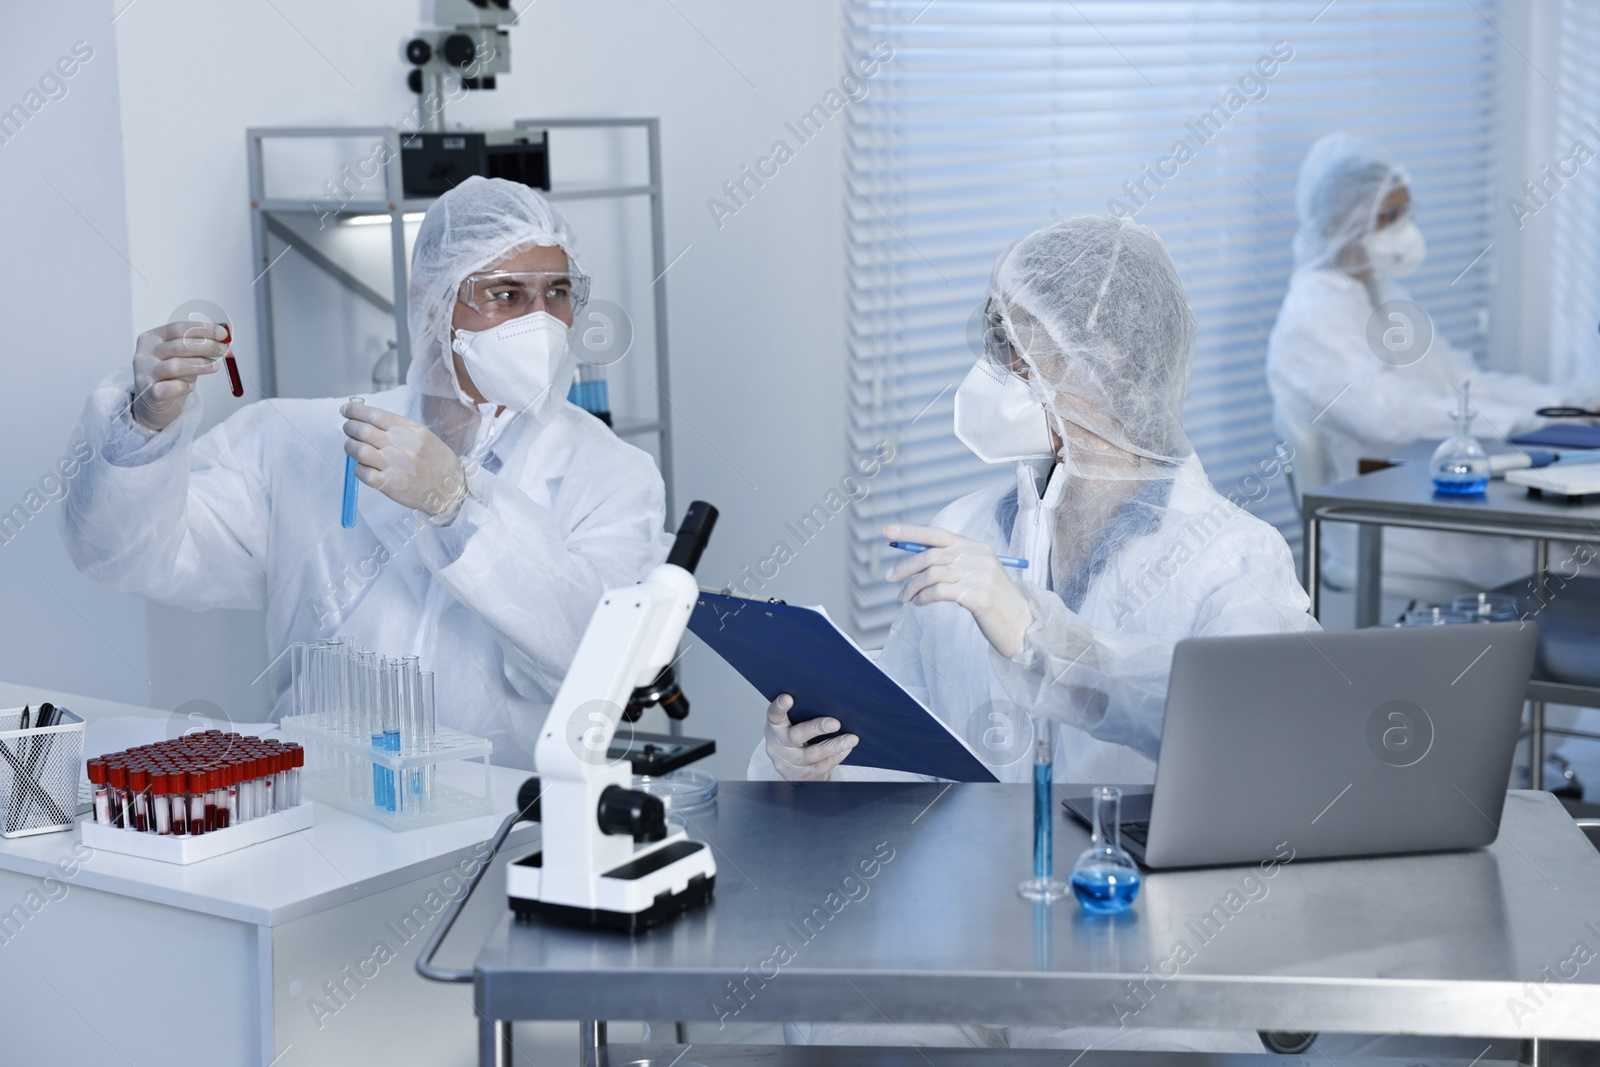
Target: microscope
[[609, 858]]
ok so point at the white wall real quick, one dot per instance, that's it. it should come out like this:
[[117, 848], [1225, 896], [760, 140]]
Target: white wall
[[64, 284], [755, 307]]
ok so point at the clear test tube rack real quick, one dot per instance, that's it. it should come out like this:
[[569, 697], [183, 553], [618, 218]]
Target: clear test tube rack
[[400, 791]]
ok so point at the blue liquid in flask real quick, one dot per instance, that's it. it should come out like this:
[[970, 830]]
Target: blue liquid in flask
[[1105, 890]]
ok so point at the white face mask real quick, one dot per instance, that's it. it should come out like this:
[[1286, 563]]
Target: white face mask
[[514, 363], [1397, 250], [998, 418]]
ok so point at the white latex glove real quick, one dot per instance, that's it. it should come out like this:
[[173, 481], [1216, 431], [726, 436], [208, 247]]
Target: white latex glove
[[403, 460], [166, 362], [787, 748], [967, 572]]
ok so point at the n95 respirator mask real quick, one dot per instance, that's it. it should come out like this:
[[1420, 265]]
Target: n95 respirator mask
[[515, 362], [999, 419]]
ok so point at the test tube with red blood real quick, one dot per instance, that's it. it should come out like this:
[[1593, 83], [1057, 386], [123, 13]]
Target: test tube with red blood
[[233, 364], [161, 814], [139, 786], [178, 799], [197, 802]]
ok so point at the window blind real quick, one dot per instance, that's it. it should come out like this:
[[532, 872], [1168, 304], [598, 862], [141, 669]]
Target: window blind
[[1575, 252], [994, 117]]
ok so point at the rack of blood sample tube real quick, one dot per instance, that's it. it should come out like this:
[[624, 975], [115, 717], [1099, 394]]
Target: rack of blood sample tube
[[196, 784]]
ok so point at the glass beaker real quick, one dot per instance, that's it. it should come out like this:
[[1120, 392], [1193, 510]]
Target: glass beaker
[[1105, 879], [1042, 886], [1460, 466]]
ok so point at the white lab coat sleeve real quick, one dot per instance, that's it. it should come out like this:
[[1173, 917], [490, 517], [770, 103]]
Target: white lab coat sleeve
[[534, 573], [1341, 385], [166, 516], [1506, 402], [1112, 684]]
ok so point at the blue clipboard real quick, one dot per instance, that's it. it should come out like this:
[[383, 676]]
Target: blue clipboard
[[1560, 435], [779, 648]]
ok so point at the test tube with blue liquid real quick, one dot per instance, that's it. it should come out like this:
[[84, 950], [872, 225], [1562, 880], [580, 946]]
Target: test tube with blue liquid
[[347, 517], [391, 731], [1042, 886]]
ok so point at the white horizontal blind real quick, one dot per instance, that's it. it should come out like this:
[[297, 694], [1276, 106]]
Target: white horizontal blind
[[1575, 273], [994, 117]]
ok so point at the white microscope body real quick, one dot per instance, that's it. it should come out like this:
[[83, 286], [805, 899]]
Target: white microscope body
[[608, 858]]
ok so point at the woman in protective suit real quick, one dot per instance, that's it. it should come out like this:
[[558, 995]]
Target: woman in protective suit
[[1130, 550]]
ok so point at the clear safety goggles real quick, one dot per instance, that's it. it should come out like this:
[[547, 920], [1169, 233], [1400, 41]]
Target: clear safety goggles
[[998, 346], [510, 294]]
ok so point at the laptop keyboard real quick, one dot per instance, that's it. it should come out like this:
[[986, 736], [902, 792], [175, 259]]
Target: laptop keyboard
[[1137, 832]]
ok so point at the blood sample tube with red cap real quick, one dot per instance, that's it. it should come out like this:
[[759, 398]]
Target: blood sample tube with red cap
[[280, 780], [197, 802], [216, 799], [231, 772], [102, 791], [139, 786], [117, 776], [297, 757], [178, 799], [233, 364], [158, 801]]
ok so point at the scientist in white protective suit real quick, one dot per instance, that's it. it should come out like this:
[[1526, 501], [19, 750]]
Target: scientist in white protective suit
[[1356, 238], [501, 511], [1130, 548]]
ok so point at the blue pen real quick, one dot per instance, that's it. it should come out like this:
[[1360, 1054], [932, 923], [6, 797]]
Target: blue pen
[[912, 546], [347, 517]]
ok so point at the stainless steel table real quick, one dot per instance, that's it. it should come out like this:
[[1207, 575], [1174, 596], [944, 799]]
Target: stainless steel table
[[896, 902], [1403, 495]]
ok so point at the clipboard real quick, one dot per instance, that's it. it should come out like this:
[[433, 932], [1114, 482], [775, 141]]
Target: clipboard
[[1567, 435], [780, 648]]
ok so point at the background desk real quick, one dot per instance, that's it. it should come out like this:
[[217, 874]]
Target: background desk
[[1403, 495], [227, 962], [1421, 944]]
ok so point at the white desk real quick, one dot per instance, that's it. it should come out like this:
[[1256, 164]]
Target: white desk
[[297, 951]]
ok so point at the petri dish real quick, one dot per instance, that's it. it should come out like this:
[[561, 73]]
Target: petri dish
[[1487, 607], [683, 790], [1431, 615]]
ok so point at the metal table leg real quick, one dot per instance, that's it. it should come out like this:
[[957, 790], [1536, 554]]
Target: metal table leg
[[1369, 574], [1535, 744], [1541, 564], [494, 1043], [591, 1039], [1312, 550]]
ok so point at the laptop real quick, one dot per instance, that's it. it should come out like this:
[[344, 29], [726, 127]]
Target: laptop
[[1354, 743]]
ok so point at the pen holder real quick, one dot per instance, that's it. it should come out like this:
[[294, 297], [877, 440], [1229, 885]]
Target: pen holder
[[39, 771]]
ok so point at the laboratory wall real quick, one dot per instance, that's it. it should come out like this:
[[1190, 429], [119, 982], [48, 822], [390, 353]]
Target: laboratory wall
[[65, 273], [755, 295]]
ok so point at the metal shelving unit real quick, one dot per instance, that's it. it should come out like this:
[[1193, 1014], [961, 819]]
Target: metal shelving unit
[[268, 216]]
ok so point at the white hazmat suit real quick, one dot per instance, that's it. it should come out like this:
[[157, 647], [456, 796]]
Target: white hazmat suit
[[494, 599], [1131, 550], [1323, 372]]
